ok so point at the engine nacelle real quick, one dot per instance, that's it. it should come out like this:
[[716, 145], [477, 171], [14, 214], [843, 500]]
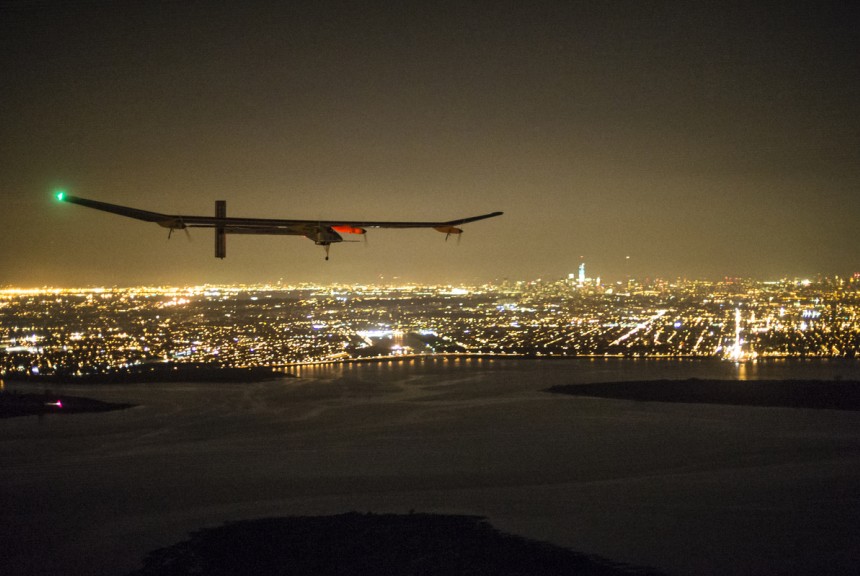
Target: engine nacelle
[[344, 229], [448, 229]]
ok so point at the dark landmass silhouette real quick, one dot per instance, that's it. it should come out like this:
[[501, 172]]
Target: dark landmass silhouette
[[14, 404], [157, 372], [356, 544], [817, 394]]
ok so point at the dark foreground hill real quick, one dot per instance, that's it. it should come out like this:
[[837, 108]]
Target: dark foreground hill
[[356, 544]]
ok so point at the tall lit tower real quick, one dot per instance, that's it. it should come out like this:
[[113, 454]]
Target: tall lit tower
[[737, 352], [581, 278]]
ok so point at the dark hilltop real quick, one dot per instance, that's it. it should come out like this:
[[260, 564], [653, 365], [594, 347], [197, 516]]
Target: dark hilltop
[[355, 544]]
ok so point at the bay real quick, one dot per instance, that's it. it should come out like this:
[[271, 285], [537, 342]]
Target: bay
[[684, 488]]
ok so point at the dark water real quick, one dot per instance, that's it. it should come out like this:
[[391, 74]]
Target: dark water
[[689, 489]]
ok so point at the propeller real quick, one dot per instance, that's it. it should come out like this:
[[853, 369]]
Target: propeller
[[448, 230], [179, 224]]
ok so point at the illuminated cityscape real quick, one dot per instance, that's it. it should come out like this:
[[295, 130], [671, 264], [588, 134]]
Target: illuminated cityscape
[[79, 332]]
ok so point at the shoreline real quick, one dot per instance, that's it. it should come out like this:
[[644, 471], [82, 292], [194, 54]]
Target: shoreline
[[171, 372], [554, 357], [195, 372]]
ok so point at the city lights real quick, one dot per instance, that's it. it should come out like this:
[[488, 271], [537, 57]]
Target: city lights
[[79, 332]]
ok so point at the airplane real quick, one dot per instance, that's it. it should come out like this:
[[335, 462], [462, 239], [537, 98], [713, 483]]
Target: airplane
[[322, 232]]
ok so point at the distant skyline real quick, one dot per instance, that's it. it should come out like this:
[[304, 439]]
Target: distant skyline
[[700, 141]]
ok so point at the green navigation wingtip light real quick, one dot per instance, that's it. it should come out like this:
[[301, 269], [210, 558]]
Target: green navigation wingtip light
[[61, 195]]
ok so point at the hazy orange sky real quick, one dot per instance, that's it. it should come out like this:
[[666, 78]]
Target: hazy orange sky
[[700, 141]]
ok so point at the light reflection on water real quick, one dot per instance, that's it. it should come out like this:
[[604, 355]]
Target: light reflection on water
[[585, 370]]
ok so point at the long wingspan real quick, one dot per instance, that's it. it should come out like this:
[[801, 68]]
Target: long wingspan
[[322, 232]]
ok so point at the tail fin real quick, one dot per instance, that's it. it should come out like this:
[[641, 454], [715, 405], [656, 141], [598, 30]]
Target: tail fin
[[220, 234]]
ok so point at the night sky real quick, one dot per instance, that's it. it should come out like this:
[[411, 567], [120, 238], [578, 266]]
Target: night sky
[[700, 140]]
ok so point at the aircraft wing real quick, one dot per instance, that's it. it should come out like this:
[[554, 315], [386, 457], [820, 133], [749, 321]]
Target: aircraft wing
[[322, 232]]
